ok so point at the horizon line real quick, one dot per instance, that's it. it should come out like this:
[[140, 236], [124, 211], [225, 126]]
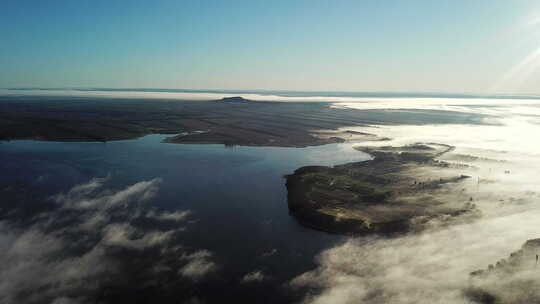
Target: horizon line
[[297, 93]]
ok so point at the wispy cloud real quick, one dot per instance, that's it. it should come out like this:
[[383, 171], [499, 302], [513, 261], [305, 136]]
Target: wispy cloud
[[254, 276], [199, 264], [91, 235]]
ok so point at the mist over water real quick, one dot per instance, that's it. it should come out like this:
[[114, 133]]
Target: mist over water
[[433, 266]]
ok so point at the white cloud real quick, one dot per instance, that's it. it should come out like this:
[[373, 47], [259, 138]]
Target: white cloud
[[254, 276], [198, 265], [124, 235], [177, 216]]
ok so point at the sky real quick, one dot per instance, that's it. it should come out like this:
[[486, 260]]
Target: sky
[[461, 46]]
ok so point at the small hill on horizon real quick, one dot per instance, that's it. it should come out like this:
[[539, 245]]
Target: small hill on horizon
[[235, 99]]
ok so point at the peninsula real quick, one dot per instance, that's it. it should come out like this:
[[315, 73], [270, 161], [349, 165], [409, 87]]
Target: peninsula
[[384, 195]]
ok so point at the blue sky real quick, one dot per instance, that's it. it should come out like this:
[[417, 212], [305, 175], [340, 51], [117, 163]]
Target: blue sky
[[435, 46]]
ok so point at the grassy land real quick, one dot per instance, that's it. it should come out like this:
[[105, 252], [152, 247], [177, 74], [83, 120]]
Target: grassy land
[[381, 195]]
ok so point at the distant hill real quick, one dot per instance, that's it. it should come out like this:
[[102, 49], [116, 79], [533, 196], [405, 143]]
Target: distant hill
[[234, 99]]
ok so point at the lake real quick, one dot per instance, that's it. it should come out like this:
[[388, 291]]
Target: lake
[[237, 196]]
